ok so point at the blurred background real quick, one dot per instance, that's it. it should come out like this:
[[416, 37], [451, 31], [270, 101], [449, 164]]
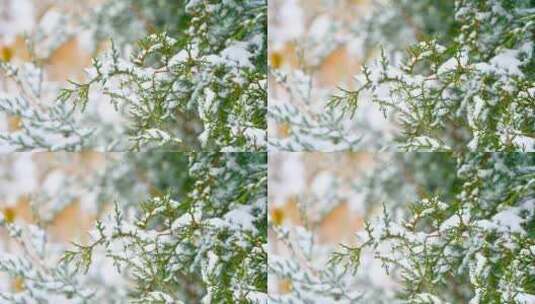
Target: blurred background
[[20, 19], [315, 35], [55, 198], [316, 51], [46, 43], [318, 201], [313, 207], [315, 48], [55, 191], [317, 190], [52, 189], [50, 42]]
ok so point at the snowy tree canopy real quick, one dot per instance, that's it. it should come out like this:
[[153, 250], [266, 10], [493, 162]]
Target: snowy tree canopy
[[476, 247], [186, 75], [199, 236], [451, 75], [439, 228]]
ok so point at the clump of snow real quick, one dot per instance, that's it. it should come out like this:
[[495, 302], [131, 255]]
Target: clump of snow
[[507, 60], [510, 219], [242, 218], [183, 56], [238, 52], [525, 298], [454, 63], [455, 220]]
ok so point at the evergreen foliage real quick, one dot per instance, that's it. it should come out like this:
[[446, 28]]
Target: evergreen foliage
[[466, 83], [184, 75], [460, 231], [199, 238]]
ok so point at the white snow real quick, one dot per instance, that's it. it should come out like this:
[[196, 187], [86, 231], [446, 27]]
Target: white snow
[[180, 57], [455, 220], [461, 60], [510, 220], [185, 220], [257, 136], [525, 298], [478, 106], [507, 60], [242, 217], [257, 297], [237, 52], [449, 65], [191, 4]]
